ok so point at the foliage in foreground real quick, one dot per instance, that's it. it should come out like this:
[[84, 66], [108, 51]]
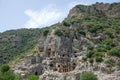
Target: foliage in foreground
[[32, 77], [88, 76], [7, 74]]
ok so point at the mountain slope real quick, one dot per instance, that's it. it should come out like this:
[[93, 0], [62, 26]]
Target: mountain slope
[[100, 25], [14, 43], [90, 34], [87, 40]]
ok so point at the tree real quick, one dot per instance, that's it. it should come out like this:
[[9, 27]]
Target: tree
[[45, 32], [9, 75], [88, 76], [5, 68], [58, 32]]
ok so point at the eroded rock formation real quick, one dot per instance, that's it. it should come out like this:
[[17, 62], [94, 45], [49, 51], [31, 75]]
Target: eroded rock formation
[[61, 56]]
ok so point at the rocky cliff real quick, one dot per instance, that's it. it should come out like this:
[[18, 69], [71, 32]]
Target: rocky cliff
[[87, 40]]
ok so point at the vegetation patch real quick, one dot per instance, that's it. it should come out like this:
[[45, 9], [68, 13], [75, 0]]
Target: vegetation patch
[[88, 76], [58, 32]]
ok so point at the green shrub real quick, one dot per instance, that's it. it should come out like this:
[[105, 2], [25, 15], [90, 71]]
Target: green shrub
[[108, 47], [115, 52], [75, 20], [78, 30], [84, 58], [118, 64], [58, 32], [117, 29], [99, 59], [45, 32], [88, 76], [32, 77], [5, 68], [95, 28], [66, 23], [9, 75], [90, 54], [101, 49], [114, 5], [109, 33], [91, 60], [92, 30], [98, 54], [108, 41], [90, 46], [109, 62]]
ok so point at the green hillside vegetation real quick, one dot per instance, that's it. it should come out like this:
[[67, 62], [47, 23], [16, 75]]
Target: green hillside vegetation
[[88, 76], [98, 21], [16, 42], [87, 19], [7, 74]]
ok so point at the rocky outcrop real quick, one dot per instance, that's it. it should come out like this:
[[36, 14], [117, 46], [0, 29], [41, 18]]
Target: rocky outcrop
[[61, 56], [30, 65], [61, 59], [60, 76], [103, 9]]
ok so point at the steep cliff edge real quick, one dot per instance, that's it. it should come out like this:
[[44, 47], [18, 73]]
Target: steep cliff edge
[[87, 40]]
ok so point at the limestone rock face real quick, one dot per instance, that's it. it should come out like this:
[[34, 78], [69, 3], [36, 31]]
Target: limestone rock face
[[58, 53], [41, 44], [30, 65], [61, 57], [57, 76], [95, 9]]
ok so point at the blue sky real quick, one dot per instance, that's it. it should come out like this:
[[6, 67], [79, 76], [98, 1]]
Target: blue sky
[[15, 14]]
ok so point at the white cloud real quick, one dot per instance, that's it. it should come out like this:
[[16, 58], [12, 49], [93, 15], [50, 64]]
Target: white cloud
[[42, 18], [47, 16], [72, 4]]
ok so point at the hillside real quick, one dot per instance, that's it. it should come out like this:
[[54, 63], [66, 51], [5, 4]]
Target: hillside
[[15, 43], [100, 25], [87, 40]]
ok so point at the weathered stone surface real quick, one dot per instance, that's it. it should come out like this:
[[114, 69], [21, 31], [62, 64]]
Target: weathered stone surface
[[61, 58], [60, 76], [29, 66]]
